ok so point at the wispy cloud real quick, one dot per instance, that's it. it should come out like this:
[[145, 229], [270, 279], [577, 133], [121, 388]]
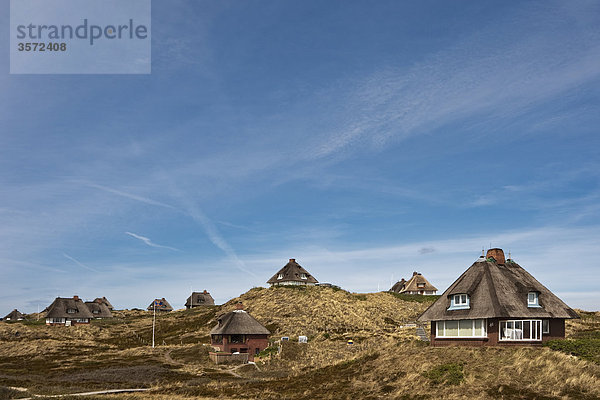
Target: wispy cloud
[[130, 195], [79, 263], [149, 242]]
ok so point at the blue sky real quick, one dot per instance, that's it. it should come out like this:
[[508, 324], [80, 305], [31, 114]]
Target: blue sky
[[366, 140]]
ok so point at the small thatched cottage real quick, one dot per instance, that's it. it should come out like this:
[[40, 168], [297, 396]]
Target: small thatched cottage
[[496, 302], [98, 309], [417, 284], [68, 311], [198, 299], [238, 331], [160, 305], [292, 274], [14, 315], [105, 301]]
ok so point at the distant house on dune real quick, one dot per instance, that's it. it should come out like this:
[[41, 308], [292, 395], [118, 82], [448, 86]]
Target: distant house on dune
[[238, 332], [105, 301], [98, 309], [14, 315], [417, 284], [198, 299], [496, 302], [68, 311], [292, 274], [160, 305]]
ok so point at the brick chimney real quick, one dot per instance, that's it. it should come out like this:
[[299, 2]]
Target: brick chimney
[[239, 306], [415, 273], [292, 260], [498, 255], [75, 297], [205, 292]]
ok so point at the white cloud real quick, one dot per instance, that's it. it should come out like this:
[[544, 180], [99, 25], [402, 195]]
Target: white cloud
[[149, 242]]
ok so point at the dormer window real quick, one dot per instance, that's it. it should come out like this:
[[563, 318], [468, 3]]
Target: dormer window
[[280, 276], [303, 276], [71, 311], [96, 311], [533, 299], [420, 285], [459, 302]]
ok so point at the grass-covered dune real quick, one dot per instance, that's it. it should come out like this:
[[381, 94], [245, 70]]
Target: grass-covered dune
[[386, 361]]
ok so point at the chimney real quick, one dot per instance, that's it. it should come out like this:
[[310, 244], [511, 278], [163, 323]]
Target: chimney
[[415, 273], [239, 306], [75, 297], [292, 260], [497, 254], [205, 292]]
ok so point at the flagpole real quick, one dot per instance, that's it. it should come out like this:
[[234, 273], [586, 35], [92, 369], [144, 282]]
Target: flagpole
[[153, 322]]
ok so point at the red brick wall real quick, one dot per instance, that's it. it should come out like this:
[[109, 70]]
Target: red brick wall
[[252, 343]]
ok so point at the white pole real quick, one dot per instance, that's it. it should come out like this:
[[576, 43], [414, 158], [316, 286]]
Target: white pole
[[153, 322]]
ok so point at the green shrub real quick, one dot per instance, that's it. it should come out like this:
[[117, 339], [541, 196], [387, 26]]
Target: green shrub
[[587, 349], [445, 374]]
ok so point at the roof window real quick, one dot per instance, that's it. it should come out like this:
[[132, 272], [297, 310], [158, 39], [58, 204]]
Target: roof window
[[533, 299], [459, 301], [280, 276]]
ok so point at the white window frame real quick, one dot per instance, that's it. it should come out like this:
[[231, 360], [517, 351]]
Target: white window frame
[[460, 301], [532, 331], [303, 276], [280, 276], [536, 299], [441, 333]]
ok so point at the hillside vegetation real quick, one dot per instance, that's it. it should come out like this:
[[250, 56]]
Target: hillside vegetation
[[386, 361]]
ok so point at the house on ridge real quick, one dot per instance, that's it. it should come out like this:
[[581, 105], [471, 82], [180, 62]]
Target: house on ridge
[[14, 315], [68, 311], [496, 302], [160, 305], [292, 274], [99, 309], [105, 301], [417, 284], [198, 299]]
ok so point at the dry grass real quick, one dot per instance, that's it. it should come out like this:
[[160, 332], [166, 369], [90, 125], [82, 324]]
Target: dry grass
[[386, 361]]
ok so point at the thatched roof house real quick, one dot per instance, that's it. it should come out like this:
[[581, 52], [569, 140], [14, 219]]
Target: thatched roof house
[[105, 301], [496, 301], [14, 315], [417, 284], [98, 309], [160, 305], [198, 299], [292, 274], [238, 331], [68, 311]]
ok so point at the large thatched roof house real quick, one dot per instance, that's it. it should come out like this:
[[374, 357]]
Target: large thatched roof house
[[198, 299], [105, 301], [292, 273], [98, 309], [160, 305], [68, 311], [238, 331], [496, 302], [417, 284], [14, 315]]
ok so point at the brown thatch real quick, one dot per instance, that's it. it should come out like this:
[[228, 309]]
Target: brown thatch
[[161, 305], [60, 307], [497, 291], [198, 299], [292, 274], [398, 286], [105, 301], [98, 309], [418, 283], [238, 322], [14, 315]]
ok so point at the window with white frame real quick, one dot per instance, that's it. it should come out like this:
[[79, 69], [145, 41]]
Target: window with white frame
[[463, 328], [303, 276], [71, 311], [545, 326], [521, 330], [420, 285], [459, 302], [533, 299], [280, 276]]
